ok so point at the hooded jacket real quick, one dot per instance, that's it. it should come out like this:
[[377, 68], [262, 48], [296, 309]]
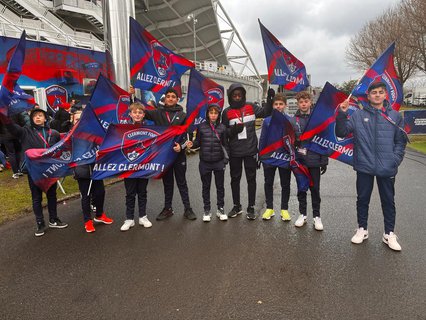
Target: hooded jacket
[[245, 113], [379, 146]]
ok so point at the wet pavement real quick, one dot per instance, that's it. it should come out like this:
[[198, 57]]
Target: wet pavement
[[238, 269]]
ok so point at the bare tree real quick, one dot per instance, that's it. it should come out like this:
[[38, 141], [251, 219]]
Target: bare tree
[[367, 45]]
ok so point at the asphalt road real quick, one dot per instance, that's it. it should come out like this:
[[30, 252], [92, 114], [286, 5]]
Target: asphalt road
[[238, 269]]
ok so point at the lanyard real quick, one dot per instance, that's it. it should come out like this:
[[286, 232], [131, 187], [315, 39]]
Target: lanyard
[[391, 121], [168, 117], [46, 142], [214, 130]]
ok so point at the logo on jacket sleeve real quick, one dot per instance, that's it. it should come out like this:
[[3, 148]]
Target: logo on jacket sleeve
[[137, 143]]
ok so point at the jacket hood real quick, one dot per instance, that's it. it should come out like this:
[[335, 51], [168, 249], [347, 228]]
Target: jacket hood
[[232, 88], [299, 114], [218, 108], [176, 108], [386, 105]]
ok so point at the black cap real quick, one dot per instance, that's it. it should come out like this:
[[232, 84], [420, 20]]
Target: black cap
[[214, 106], [172, 90], [376, 85], [37, 109]]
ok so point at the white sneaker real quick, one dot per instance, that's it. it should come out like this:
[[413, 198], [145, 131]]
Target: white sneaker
[[391, 240], [15, 176], [221, 214], [360, 236], [127, 225], [207, 216], [318, 224], [145, 222], [300, 222]]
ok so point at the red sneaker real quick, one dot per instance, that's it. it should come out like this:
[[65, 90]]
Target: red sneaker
[[88, 225], [104, 219]]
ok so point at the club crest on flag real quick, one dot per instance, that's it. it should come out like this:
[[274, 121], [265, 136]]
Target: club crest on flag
[[56, 96], [215, 95], [141, 140], [160, 59], [123, 104]]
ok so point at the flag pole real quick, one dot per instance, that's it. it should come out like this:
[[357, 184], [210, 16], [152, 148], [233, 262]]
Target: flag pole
[[90, 187], [60, 187]]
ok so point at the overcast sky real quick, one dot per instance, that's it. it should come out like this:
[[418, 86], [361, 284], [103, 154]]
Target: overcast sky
[[317, 32]]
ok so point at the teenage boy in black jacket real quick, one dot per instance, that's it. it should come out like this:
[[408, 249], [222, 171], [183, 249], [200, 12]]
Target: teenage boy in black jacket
[[38, 135], [171, 115]]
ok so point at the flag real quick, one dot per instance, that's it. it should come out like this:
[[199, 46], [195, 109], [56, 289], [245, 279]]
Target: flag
[[382, 70], [134, 151], [283, 67], [13, 99], [320, 129], [78, 147], [154, 67], [277, 149], [202, 91]]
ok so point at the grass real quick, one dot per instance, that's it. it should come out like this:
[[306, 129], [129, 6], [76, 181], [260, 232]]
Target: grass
[[404, 107], [15, 195], [418, 143]]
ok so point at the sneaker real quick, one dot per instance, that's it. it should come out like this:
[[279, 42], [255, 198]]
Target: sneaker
[[268, 214], [250, 213], [57, 224], [143, 221], [301, 221], [221, 214], [360, 236], [189, 214], [285, 215], [391, 240], [88, 225], [103, 219], [40, 229], [236, 210], [15, 176], [207, 216], [318, 224], [127, 225], [1, 167], [20, 173], [166, 213]]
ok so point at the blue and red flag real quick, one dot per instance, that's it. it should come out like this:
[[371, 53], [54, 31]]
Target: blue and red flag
[[277, 149], [383, 70], [13, 99], [57, 97], [320, 129], [283, 67], [134, 151], [202, 91], [154, 67], [78, 147]]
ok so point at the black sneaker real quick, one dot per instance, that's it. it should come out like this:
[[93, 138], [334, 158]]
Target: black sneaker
[[250, 213], [40, 229], [58, 224], [236, 210], [166, 213], [189, 214]]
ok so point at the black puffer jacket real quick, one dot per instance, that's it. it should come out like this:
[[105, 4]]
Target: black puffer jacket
[[210, 147], [245, 143], [311, 159]]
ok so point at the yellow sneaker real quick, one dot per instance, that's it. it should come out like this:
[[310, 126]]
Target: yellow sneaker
[[285, 215], [268, 214]]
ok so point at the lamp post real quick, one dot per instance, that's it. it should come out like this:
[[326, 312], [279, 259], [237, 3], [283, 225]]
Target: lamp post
[[194, 22]]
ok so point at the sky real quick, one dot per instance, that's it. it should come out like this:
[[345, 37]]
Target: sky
[[316, 32]]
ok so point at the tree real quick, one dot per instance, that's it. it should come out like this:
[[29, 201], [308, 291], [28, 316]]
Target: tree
[[367, 45], [347, 86]]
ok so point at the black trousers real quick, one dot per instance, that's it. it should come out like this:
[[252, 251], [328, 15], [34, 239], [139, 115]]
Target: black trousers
[[315, 194], [206, 170], [364, 188], [37, 197], [135, 186], [96, 197], [12, 153], [285, 177], [179, 171], [236, 168]]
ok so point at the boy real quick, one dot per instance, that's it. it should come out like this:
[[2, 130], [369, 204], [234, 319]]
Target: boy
[[379, 148], [315, 162], [136, 185], [279, 103], [239, 118], [211, 139], [171, 115], [38, 135]]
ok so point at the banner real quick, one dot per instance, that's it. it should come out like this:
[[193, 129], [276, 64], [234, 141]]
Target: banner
[[383, 70], [320, 129], [57, 97], [283, 67], [415, 121], [154, 67]]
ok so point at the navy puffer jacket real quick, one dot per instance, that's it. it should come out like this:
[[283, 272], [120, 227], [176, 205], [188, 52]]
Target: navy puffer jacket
[[379, 146]]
